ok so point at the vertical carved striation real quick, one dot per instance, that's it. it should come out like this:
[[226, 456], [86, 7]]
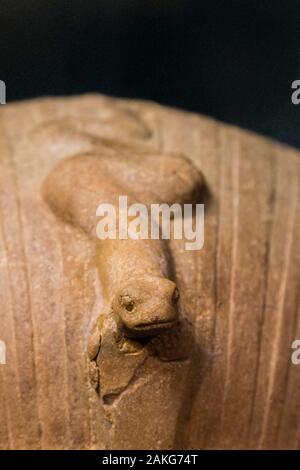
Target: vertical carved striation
[[226, 380], [286, 300], [20, 371]]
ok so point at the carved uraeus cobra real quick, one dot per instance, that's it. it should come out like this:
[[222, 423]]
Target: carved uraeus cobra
[[136, 275]]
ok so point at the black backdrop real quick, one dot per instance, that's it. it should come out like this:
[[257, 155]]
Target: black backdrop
[[234, 60]]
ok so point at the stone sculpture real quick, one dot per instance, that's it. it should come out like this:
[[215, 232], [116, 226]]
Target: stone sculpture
[[101, 352]]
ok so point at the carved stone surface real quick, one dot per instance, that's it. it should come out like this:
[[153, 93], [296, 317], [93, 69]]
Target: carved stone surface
[[211, 369]]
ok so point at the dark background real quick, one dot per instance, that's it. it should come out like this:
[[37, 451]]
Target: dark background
[[234, 60]]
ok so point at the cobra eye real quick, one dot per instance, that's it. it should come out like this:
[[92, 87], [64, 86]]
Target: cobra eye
[[129, 306], [175, 295], [127, 302]]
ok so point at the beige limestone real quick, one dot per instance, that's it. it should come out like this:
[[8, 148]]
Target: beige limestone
[[211, 369]]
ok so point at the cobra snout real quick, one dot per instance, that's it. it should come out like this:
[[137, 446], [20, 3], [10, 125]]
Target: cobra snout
[[147, 306]]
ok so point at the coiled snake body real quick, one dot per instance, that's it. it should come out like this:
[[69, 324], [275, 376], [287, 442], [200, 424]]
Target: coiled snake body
[[136, 275]]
